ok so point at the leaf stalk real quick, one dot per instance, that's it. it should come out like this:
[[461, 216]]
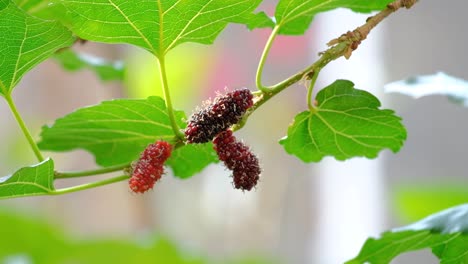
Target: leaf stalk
[[23, 127]]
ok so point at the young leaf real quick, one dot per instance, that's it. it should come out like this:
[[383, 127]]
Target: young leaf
[[191, 159], [446, 233], [295, 16], [29, 41], [106, 70], [437, 84], [155, 25], [27, 181], [347, 123], [115, 132]]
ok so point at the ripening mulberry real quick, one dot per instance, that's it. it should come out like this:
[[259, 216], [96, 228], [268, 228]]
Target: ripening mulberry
[[149, 168], [238, 158], [222, 113]]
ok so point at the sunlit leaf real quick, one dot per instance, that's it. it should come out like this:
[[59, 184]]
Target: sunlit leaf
[[28, 181], [346, 123], [26, 42], [446, 233], [437, 84], [157, 26], [115, 132]]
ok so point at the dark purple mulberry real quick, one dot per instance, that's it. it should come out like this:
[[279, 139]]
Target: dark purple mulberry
[[238, 158], [149, 168], [222, 113]]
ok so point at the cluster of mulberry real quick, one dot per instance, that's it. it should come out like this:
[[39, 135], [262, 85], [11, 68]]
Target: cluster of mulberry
[[149, 168], [238, 158], [213, 123], [218, 116]]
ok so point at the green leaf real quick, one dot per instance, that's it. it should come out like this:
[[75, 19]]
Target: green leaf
[[28, 42], [115, 131], [28, 181], [157, 26], [437, 84], [415, 201], [106, 70], [446, 233], [347, 123], [191, 159], [295, 16]]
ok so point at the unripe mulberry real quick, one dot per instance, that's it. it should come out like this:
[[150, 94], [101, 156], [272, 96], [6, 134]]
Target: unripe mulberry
[[222, 113], [149, 168], [238, 158]]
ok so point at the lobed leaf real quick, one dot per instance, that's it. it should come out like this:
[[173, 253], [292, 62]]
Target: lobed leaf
[[117, 131], [295, 16], [28, 181], [446, 233], [106, 70], [347, 123], [437, 84], [155, 25], [29, 41]]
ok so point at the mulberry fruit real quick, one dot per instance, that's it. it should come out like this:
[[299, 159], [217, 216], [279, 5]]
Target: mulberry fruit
[[149, 168], [218, 116], [238, 158]]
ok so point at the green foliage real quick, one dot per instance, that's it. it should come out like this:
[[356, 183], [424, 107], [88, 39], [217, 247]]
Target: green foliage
[[347, 123], [446, 233], [437, 84], [41, 243], [33, 180], [294, 16], [117, 131], [157, 26], [191, 159], [106, 70], [30, 41], [414, 202]]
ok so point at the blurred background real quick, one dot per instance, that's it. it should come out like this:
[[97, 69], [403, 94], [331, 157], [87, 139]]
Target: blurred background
[[300, 213]]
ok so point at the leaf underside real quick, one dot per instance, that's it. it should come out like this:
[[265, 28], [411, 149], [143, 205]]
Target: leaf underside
[[106, 70], [28, 181], [446, 233], [347, 123], [437, 84]]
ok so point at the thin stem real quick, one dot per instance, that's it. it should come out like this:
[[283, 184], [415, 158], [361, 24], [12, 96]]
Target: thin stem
[[23, 127], [89, 185], [261, 64], [315, 74], [74, 174], [331, 54], [167, 98]]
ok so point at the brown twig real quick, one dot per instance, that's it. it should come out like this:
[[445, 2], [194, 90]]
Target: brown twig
[[354, 38]]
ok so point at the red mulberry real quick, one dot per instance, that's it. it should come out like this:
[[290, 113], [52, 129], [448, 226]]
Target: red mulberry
[[149, 168], [238, 158], [218, 116]]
